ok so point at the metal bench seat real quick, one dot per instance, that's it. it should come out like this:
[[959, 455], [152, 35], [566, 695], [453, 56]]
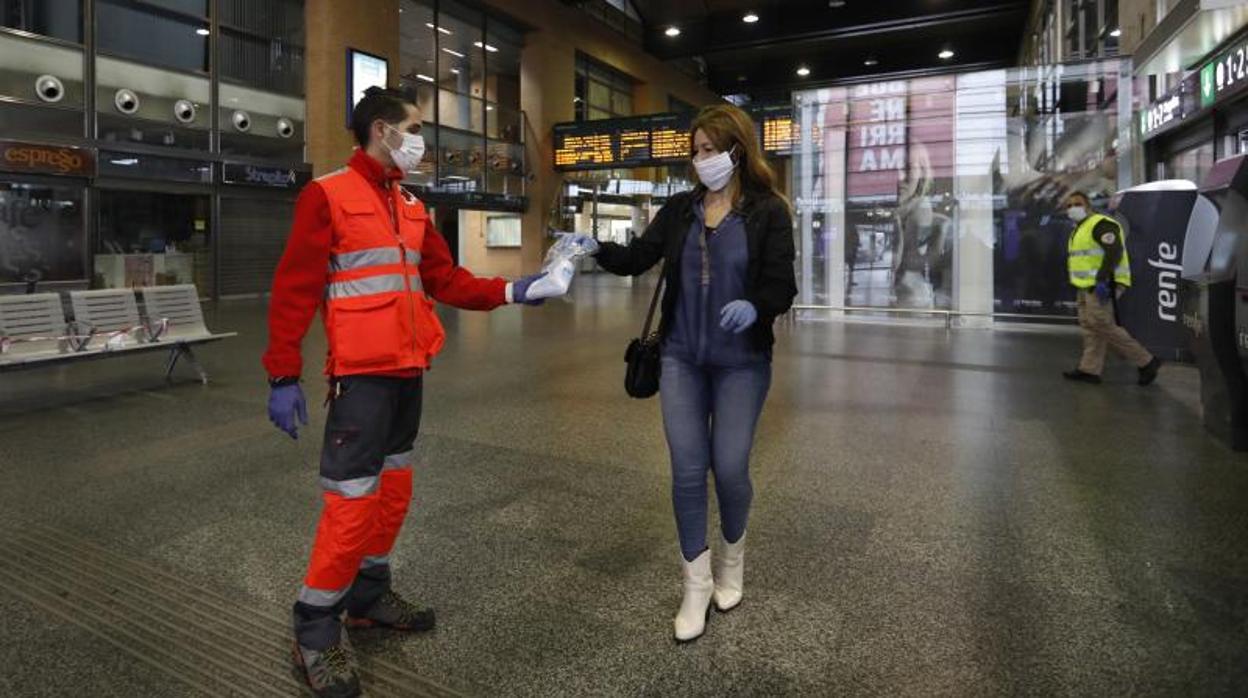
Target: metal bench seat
[[106, 323], [32, 329]]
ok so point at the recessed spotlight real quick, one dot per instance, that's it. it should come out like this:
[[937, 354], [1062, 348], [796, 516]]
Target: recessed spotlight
[[750, 18], [202, 31], [945, 54], [871, 62], [803, 71], [1116, 33], [672, 31]]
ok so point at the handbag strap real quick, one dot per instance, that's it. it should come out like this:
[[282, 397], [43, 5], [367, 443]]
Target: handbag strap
[[654, 303]]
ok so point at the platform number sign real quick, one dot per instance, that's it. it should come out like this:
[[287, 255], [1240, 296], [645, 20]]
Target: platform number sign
[[1228, 72]]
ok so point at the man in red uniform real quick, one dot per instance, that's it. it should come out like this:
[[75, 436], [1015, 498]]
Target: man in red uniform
[[364, 252]]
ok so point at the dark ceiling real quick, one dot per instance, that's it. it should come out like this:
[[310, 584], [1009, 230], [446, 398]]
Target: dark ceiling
[[761, 58]]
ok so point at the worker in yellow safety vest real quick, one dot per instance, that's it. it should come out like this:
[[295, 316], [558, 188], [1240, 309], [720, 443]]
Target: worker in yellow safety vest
[[1100, 271]]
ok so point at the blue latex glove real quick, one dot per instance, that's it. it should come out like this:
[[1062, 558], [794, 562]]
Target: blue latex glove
[[286, 403], [1103, 291], [584, 242], [737, 316], [520, 288]]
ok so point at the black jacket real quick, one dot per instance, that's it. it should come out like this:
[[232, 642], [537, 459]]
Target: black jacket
[[771, 282]]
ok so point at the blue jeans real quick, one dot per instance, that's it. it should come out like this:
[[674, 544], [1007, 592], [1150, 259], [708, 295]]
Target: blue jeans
[[709, 414]]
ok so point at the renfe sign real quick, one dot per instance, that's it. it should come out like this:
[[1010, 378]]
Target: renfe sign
[[1156, 221]]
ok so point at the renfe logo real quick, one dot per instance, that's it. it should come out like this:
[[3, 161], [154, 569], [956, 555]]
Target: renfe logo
[[1167, 280]]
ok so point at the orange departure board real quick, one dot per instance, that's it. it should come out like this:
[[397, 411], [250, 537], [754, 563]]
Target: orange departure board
[[655, 139], [634, 145], [669, 143], [779, 132], [593, 149]]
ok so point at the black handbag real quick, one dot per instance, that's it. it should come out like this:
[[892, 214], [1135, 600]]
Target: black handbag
[[641, 379]]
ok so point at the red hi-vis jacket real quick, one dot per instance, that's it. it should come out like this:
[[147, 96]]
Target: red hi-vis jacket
[[364, 251]]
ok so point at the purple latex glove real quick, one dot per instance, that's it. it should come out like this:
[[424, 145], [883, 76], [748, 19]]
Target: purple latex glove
[[737, 316], [1103, 291], [286, 404], [520, 288]]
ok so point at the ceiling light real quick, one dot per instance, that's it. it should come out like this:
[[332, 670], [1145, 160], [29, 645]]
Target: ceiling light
[[487, 47], [455, 71], [202, 31], [750, 18], [441, 29], [453, 52], [672, 31], [489, 108], [836, 3], [946, 54], [871, 62], [1116, 33], [741, 78], [424, 77], [803, 71]]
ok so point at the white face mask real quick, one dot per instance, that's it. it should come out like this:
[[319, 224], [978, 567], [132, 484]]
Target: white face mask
[[716, 171], [408, 155], [1077, 213]]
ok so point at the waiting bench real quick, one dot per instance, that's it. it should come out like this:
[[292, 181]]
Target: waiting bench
[[34, 330]]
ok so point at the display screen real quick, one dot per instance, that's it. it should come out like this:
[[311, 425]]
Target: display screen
[[364, 70], [642, 141], [656, 139]]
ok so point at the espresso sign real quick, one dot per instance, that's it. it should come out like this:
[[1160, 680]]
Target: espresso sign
[[16, 156]]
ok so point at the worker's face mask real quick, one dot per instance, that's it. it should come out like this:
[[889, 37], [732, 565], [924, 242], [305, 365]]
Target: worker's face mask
[[715, 171], [408, 154], [1077, 213]]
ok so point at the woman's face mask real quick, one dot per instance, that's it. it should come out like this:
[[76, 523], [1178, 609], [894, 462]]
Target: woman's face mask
[[1076, 213], [410, 151], [716, 170]]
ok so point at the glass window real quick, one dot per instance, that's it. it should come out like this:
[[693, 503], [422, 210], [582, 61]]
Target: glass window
[[895, 216], [418, 35], [60, 19], [262, 43], [1191, 164], [601, 91], [150, 36], [42, 232], [462, 49], [149, 238], [502, 85]]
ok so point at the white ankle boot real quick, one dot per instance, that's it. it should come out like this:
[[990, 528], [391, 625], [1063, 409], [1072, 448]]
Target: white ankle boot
[[699, 587], [729, 575]]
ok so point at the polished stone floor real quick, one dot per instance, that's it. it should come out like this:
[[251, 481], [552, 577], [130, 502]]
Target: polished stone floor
[[936, 513]]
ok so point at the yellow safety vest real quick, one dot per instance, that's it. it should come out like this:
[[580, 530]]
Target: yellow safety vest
[[1085, 254]]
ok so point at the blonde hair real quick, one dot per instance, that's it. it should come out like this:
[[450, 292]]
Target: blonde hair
[[728, 126]]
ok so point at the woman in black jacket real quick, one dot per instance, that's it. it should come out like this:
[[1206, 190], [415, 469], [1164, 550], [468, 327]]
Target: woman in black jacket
[[727, 251]]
